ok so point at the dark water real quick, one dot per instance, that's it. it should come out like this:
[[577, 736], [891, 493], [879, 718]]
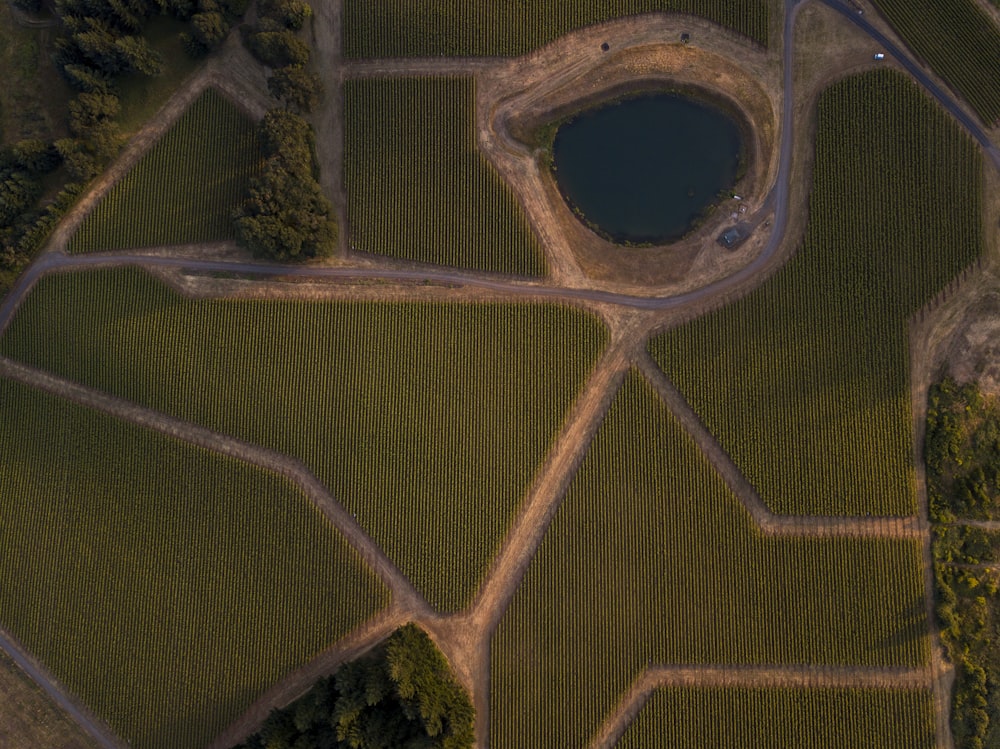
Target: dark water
[[643, 169]]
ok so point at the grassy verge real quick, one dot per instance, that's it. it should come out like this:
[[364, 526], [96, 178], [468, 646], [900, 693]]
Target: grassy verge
[[781, 718], [408, 28], [184, 189], [418, 187], [28, 718], [427, 421], [142, 96], [805, 381], [166, 586], [650, 559], [33, 97]]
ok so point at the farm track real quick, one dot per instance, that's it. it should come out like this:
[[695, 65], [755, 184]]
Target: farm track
[[749, 677], [477, 625], [63, 699], [403, 593], [769, 523], [465, 637]]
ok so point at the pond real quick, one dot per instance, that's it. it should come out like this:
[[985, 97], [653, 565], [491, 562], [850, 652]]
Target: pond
[[645, 169]]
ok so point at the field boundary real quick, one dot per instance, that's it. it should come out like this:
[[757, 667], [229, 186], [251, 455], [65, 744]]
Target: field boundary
[[768, 522], [749, 677], [74, 710], [403, 593]]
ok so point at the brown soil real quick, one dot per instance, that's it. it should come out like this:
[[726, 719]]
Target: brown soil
[[28, 718], [571, 74]]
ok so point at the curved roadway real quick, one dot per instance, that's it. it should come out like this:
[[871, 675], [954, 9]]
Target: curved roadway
[[779, 198], [58, 260]]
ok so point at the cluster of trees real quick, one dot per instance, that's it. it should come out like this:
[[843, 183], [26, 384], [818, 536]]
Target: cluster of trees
[[103, 40], [962, 454], [273, 42], [285, 215], [402, 696], [22, 167]]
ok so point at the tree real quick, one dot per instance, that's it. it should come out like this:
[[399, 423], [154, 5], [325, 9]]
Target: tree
[[276, 49], [18, 191], [208, 31], [285, 214], [401, 696], [296, 87], [137, 55], [83, 77]]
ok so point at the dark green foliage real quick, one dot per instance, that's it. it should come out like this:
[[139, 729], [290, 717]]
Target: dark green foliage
[[962, 454], [18, 191], [402, 696], [413, 28], [21, 167], [93, 121], [208, 30], [86, 78], [296, 87], [276, 49], [31, 6], [285, 215], [34, 155]]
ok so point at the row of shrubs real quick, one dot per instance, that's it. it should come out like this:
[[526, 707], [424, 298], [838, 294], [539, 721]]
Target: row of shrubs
[[285, 214], [102, 40], [962, 455]]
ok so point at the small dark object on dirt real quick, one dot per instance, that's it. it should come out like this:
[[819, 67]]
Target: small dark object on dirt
[[605, 47], [685, 37]]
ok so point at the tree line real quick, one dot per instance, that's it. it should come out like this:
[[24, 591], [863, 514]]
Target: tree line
[[400, 696], [284, 216], [962, 455]]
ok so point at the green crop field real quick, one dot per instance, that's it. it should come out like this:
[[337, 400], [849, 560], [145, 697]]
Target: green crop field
[[783, 718], [426, 420], [959, 41], [184, 189], [407, 28], [650, 559], [418, 187], [805, 382], [166, 586]]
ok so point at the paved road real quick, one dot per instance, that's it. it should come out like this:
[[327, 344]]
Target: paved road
[[914, 69], [42, 678]]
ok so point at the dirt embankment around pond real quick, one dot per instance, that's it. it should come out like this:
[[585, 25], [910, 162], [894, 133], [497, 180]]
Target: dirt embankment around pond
[[522, 96]]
